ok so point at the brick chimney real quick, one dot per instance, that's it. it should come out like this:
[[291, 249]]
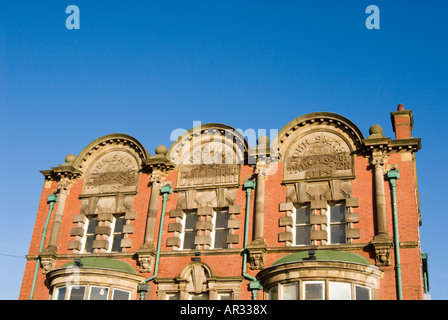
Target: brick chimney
[[402, 122]]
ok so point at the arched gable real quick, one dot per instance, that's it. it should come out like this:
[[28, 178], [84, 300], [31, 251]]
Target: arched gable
[[209, 155], [318, 146], [208, 144], [110, 164]]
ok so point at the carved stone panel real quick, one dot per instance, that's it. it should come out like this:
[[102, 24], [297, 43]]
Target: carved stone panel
[[115, 171], [213, 198], [204, 175], [318, 155]]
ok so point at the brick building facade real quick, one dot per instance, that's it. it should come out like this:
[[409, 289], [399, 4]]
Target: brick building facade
[[319, 212]]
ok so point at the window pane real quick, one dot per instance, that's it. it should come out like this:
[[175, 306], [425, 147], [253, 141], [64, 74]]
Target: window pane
[[314, 291], [98, 293], [116, 244], [303, 235], [338, 233], [121, 295], [222, 218], [119, 223], [273, 293], [337, 213], [362, 293], [89, 244], [173, 296], [303, 215], [221, 239], [190, 220], [290, 291], [189, 240], [340, 291], [225, 296], [77, 293], [60, 293], [200, 296], [93, 223]]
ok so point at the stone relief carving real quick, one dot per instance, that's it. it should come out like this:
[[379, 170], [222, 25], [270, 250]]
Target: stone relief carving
[[256, 260], [203, 175], [196, 277], [303, 191], [382, 257], [215, 198], [318, 155], [116, 171], [145, 263], [47, 264]]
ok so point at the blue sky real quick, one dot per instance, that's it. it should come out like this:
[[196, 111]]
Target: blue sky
[[146, 68]]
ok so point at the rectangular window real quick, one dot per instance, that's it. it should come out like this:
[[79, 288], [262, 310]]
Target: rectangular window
[[120, 295], [199, 296], [273, 293], [98, 293], [89, 235], [291, 291], [362, 293], [302, 225], [221, 220], [337, 222], [77, 292], [340, 291], [60, 293], [118, 223], [173, 296], [225, 296], [190, 219], [313, 290]]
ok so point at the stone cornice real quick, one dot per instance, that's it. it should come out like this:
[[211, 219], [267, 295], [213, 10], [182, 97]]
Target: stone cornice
[[411, 144], [157, 162]]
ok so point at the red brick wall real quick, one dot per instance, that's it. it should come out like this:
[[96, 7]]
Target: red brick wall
[[231, 264]]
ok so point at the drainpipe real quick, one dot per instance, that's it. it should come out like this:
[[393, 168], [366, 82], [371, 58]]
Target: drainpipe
[[254, 284], [52, 199], [392, 175], [144, 287]]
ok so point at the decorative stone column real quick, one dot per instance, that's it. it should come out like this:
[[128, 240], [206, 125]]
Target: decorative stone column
[[380, 199], [257, 248], [157, 167], [65, 174], [57, 221], [260, 171], [382, 243]]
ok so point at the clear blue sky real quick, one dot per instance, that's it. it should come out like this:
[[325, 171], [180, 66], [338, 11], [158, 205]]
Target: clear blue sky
[[145, 68]]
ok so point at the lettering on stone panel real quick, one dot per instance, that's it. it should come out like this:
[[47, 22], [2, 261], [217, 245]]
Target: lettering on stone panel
[[318, 155], [113, 172], [208, 175], [212, 164]]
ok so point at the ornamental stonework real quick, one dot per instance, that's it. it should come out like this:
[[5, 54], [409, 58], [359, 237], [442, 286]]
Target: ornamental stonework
[[116, 171], [210, 165], [318, 155]]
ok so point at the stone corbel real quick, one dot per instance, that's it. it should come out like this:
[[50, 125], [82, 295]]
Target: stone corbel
[[382, 252], [257, 253], [145, 259], [47, 264]]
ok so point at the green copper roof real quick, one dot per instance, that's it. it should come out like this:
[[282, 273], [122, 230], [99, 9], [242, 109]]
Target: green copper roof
[[327, 255], [104, 263]]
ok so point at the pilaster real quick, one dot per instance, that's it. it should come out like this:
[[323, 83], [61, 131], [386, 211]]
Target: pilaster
[[157, 167]]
